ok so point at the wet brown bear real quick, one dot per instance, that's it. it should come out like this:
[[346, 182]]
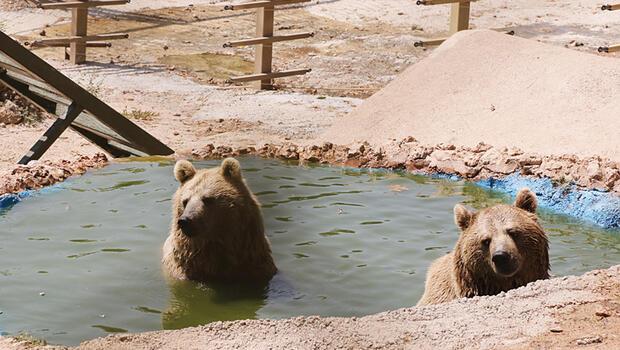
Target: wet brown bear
[[217, 232], [500, 248]]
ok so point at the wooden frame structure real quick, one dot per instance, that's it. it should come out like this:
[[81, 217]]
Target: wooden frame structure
[[79, 40], [76, 108], [264, 42], [611, 48], [459, 19]]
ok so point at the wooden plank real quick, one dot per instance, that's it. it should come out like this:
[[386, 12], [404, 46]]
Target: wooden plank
[[79, 23], [80, 39], [268, 40], [67, 44], [81, 4], [459, 17], [22, 90], [264, 52], [50, 136], [439, 41], [430, 42], [440, 2], [613, 7], [269, 76], [101, 142], [104, 113], [259, 4], [608, 49]]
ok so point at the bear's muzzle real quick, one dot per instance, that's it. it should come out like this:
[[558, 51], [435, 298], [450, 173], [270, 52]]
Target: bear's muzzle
[[504, 264]]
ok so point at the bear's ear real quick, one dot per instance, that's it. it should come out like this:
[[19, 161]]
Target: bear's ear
[[527, 200], [462, 217], [231, 169], [184, 171]]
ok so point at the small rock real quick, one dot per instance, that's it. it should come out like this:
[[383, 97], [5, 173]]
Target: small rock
[[176, 133], [42, 294], [165, 47], [589, 340], [42, 33], [556, 330], [603, 313]]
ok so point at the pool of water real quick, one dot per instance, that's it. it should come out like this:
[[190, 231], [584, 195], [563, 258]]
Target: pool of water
[[82, 259]]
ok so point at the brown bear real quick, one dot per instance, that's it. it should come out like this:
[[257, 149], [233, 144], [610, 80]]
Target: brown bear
[[499, 248], [217, 232]]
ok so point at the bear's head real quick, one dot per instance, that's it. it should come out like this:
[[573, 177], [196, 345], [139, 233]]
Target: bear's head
[[501, 247], [214, 205]]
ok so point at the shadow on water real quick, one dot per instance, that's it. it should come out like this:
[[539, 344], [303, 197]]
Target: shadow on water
[[193, 304]]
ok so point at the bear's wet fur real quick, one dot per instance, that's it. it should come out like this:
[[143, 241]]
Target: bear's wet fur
[[500, 248], [217, 232]]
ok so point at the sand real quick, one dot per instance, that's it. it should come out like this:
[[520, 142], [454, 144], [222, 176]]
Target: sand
[[502, 90]]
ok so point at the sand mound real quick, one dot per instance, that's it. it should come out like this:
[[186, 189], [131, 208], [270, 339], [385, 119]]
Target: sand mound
[[502, 90]]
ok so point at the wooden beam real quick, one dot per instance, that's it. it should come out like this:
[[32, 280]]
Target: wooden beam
[[264, 51], [610, 7], [23, 90], [79, 39], [67, 44], [269, 76], [79, 23], [50, 136], [268, 40], [440, 2], [459, 17], [608, 49], [259, 4], [438, 41], [101, 141], [105, 114], [430, 42], [81, 4]]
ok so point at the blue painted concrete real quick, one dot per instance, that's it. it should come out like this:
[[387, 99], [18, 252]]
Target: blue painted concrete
[[10, 199], [602, 208]]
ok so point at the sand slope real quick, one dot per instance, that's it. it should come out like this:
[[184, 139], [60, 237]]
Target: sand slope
[[503, 90]]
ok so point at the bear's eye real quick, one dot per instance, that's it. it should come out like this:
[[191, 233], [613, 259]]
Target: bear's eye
[[185, 201], [208, 200], [486, 242]]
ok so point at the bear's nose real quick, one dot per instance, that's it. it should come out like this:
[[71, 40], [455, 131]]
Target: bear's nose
[[501, 259], [183, 223]]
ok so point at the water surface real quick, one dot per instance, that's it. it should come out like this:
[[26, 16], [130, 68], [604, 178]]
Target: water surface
[[83, 259]]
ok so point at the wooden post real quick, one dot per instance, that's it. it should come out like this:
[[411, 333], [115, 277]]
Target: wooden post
[[79, 22], [459, 17], [264, 52]]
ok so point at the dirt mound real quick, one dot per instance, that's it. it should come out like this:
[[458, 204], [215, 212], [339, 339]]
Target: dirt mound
[[484, 86]]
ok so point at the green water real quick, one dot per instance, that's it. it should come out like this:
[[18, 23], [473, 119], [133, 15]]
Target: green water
[[83, 259]]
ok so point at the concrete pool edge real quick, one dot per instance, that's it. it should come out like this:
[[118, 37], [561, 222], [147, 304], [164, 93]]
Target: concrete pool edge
[[585, 188], [25, 180]]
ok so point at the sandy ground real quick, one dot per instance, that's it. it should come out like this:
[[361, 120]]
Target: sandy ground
[[359, 48], [562, 313], [503, 90]]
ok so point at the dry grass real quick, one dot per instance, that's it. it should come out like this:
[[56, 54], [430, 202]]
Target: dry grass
[[138, 114]]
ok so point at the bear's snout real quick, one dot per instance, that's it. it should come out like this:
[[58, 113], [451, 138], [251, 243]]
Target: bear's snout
[[504, 264], [184, 224]]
